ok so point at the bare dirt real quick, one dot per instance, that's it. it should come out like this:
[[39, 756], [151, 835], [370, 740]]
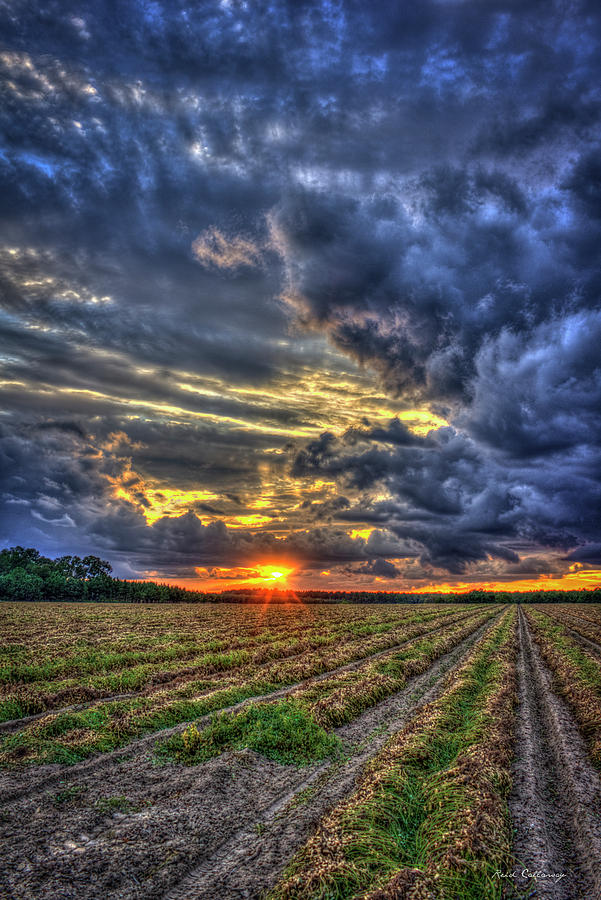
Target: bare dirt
[[556, 798], [123, 826]]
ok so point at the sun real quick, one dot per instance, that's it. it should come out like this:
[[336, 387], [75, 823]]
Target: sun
[[269, 573]]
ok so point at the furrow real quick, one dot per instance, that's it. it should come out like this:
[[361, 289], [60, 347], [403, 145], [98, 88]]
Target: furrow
[[583, 639], [555, 798]]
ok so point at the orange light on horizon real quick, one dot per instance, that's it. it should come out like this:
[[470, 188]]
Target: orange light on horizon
[[274, 576], [570, 581], [268, 576], [274, 573]]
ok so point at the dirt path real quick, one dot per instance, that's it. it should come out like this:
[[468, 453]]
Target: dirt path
[[221, 830], [183, 677], [555, 802], [17, 784]]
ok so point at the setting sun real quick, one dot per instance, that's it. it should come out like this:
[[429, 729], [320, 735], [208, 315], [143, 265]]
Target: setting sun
[[274, 573]]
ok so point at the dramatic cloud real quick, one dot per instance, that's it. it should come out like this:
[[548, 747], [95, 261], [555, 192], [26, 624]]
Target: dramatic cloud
[[303, 281]]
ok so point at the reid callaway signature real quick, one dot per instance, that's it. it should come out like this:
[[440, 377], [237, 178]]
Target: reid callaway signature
[[526, 873]]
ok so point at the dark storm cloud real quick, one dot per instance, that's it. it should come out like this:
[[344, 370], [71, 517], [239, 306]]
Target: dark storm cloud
[[419, 183], [381, 568], [590, 553], [458, 500], [181, 544], [417, 298], [551, 389]]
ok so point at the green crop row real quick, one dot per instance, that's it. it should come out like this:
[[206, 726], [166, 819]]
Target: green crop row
[[84, 659]]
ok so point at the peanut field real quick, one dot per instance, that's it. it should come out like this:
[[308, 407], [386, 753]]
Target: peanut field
[[300, 751]]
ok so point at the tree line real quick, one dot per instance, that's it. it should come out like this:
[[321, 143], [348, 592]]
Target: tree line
[[27, 575]]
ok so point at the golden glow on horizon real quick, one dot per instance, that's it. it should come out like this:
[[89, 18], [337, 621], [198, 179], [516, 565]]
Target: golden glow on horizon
[[156, 502], [271, 576], [222, 579], [274, 573], [571, 581], [328, 391]]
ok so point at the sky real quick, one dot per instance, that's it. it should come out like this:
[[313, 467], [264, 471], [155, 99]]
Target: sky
[[303, 293]]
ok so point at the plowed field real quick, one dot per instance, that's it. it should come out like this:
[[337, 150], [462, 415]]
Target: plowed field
[[315, 752]]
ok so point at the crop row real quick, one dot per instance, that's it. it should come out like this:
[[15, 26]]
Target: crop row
[[117, 636], [576, 676], [25, 625], [429, 818], [589, 612], [327, 703], [72, 650], [25, 699], [42, 660], [585, 626], [69, 736]]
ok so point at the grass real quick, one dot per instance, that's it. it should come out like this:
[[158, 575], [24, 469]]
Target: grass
[[110, 726], [70, 793], [587, 666], [386, 677], [116, 803], [283, 731], [411, 820]]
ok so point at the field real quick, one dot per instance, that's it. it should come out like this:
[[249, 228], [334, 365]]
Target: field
[[300, 752]]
